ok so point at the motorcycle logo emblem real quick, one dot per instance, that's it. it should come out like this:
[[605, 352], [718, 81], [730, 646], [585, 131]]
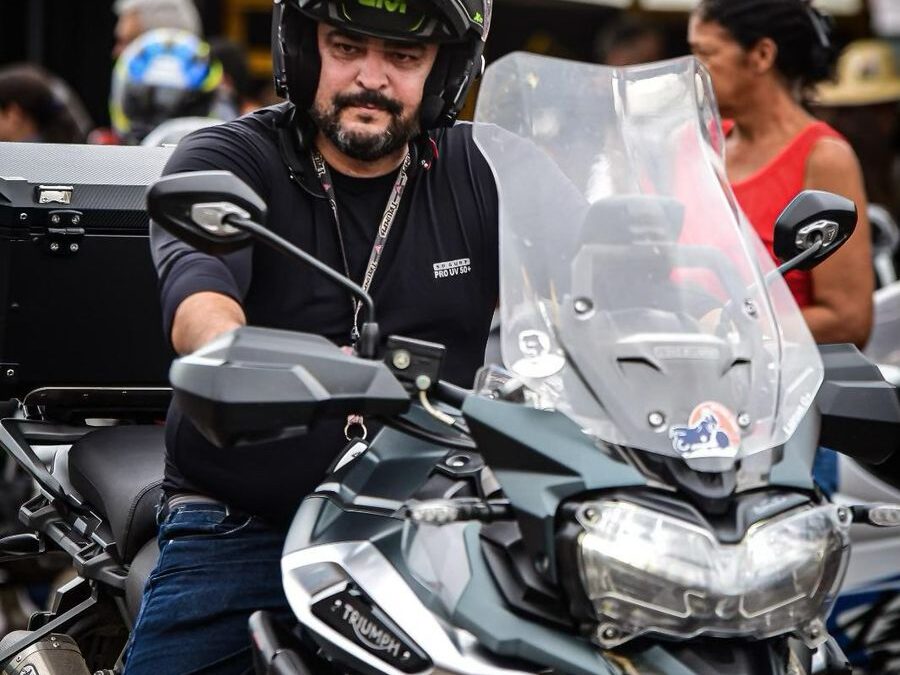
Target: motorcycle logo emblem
[[711, 431]]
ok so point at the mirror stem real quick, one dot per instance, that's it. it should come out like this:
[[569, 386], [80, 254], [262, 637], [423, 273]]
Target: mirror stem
[[368, 340], [783, 269], [367, 345], [795, 261]]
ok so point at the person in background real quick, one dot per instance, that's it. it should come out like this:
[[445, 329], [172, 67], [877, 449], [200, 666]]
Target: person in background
[[35, 106], [862, 106], [138, 16], [763, 57], [165, 77], [629, 40], [238, 95]]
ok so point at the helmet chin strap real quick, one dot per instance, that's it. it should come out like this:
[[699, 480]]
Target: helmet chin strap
[[425, 150]]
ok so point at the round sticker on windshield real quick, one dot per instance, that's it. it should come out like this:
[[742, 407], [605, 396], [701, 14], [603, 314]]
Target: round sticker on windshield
[[538, 361], [711, 430], [539, 367]]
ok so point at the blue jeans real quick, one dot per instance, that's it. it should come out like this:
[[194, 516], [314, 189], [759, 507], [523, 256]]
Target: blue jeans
[[215, 569]]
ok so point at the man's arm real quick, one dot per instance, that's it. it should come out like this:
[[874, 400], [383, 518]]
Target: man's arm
[[201, 294], [202, 317], [842, 286]]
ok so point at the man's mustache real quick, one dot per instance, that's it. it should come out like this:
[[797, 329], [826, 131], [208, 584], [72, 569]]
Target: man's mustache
[[367, 97]]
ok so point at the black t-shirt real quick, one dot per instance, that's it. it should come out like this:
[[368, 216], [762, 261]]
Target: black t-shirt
[[437, 281]]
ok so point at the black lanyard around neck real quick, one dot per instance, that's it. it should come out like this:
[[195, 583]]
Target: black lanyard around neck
[[384, 229]]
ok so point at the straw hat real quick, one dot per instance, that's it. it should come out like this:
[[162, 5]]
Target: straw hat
[[866, 75]]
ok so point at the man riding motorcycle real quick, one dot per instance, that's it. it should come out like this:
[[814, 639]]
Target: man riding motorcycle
[[370, 85]]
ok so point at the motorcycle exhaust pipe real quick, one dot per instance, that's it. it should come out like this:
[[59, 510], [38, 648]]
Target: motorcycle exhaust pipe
[[56, 654]]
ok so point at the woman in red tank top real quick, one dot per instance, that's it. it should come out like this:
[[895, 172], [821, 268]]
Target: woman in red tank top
[[762, 56]]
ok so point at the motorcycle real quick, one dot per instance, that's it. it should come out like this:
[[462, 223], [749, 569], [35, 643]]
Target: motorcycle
[[631, 494]]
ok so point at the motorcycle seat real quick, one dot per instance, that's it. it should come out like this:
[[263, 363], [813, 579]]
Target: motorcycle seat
[[119, 472]]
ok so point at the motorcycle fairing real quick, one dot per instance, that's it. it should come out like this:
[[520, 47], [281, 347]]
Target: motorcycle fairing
[[448, 629], [541, 458], [352, 521]]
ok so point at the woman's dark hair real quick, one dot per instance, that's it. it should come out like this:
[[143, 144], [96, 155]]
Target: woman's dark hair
[[233, 58], [625, 31], [806, 55], [44, 100]]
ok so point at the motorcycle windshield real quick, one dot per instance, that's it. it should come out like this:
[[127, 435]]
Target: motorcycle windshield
[[633, 291]]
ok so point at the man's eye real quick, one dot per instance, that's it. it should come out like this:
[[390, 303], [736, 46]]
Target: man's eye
[[346, 48], [405, 58]]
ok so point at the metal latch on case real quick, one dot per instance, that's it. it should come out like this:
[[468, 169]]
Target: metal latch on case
[[53, 194]]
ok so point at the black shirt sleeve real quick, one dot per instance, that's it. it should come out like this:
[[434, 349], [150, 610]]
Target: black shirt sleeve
[[182, 269]]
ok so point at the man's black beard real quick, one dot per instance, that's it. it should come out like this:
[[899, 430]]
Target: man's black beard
[[362, 146]]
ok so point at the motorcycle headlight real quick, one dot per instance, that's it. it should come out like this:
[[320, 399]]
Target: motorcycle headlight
[[645, 571]]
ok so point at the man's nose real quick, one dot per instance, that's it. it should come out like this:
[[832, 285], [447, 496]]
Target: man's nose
[[373, 73]]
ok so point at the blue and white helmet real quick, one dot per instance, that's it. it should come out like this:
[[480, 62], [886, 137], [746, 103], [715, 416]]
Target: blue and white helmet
[[163, 74]]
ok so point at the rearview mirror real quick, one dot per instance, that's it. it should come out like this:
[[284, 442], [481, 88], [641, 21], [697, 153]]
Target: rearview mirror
[[813, 216], [194, 207]]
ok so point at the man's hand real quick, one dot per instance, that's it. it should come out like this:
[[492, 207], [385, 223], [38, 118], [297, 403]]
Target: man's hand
[[202, 317]]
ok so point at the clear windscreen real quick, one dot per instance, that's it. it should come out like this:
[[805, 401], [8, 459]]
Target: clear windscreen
[[633, 296]]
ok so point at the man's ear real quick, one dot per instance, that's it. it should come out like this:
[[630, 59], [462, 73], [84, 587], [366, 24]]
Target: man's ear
[[763, 55]]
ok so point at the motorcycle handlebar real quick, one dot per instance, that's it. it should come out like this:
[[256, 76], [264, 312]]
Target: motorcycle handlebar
[[449, 393]]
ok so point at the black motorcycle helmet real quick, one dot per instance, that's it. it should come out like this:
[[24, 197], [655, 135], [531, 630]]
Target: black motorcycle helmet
[[460, 26]]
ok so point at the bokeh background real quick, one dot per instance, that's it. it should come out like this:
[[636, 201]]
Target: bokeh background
[[74, 38]]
